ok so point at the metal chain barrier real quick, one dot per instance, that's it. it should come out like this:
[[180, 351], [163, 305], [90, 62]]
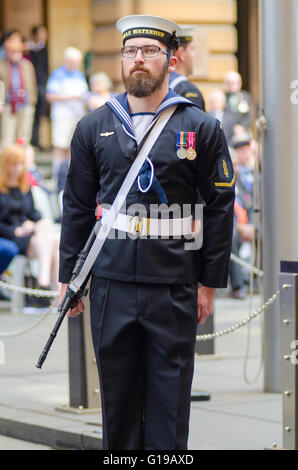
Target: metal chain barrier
[[206, 337], [31, 327], [246, 265], [50, 293], [241, 323], [27, 290], [36, 293]]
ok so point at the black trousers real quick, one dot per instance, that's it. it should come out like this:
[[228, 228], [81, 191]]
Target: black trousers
[[144, 338]]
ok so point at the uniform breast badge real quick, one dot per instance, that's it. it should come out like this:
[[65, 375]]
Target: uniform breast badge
[[186, 145], [106, 134]]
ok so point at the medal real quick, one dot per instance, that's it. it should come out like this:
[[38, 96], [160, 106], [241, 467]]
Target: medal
[[191, 153], [181, 153], [181, 145], [186, 142]]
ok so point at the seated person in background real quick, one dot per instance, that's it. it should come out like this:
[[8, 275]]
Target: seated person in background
[[44, 197], [20, 222], [101, 87], [34, 176], [8, 250]]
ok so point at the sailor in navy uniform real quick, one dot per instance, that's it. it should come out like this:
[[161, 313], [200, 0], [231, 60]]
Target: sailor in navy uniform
[[145, 303], [185, 54]]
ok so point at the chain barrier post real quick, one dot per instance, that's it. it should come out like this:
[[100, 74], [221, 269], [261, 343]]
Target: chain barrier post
[[205, 347], [76, 361], [288, 281], [18, 269]]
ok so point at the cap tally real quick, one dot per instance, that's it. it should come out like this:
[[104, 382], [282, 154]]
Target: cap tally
[[155, 27]]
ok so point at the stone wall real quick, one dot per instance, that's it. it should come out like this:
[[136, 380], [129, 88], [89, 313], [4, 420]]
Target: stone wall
[[89, 25], [69, 23]]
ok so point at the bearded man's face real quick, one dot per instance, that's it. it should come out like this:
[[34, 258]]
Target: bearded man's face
[[142, 76]]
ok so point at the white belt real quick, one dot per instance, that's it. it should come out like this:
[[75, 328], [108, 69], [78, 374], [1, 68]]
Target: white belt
[[152, 227]]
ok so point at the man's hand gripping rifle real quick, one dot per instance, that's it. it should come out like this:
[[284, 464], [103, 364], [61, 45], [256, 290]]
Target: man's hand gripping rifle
[[71, 296]]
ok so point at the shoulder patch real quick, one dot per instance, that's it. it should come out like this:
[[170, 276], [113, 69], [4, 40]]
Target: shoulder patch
[[226, 176]]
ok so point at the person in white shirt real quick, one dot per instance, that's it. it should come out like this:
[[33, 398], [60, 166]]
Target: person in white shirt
[[65, 91]]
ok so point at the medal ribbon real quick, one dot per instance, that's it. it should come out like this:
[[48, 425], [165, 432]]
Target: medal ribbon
[[190, 140], [182, 139]]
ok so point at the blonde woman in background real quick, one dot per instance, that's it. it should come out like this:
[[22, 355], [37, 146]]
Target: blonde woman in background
[[21, 223]]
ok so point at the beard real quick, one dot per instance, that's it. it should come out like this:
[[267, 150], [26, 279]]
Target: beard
[[143, 85]]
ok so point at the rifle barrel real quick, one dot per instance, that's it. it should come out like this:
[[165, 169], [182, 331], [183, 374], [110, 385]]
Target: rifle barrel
[[65, 304]]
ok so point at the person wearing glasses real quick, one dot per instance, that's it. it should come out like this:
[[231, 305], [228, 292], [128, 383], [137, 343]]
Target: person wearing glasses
[[144, 296]]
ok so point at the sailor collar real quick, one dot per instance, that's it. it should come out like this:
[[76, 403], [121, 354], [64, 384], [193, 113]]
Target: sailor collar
[[176, 78], [119, 105], [173, 75]]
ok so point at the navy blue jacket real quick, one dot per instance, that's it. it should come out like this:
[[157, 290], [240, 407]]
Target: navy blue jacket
[[99, 164], [187, 89]]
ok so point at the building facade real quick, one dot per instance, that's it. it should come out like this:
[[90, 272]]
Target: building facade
[[222, 27]]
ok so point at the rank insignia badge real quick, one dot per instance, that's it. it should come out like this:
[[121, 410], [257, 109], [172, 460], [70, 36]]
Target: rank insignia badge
[[186, 145], [225, 168], [226, 176]]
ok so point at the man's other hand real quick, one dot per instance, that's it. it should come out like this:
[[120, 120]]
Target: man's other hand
[[206, 296]]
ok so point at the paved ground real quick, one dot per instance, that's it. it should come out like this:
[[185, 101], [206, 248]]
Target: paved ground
[[8, 443], [238, 416]]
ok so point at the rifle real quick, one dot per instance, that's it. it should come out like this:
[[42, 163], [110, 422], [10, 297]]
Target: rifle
[[71, 298]]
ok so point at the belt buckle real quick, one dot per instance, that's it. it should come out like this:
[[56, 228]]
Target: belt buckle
[[135, 225]]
